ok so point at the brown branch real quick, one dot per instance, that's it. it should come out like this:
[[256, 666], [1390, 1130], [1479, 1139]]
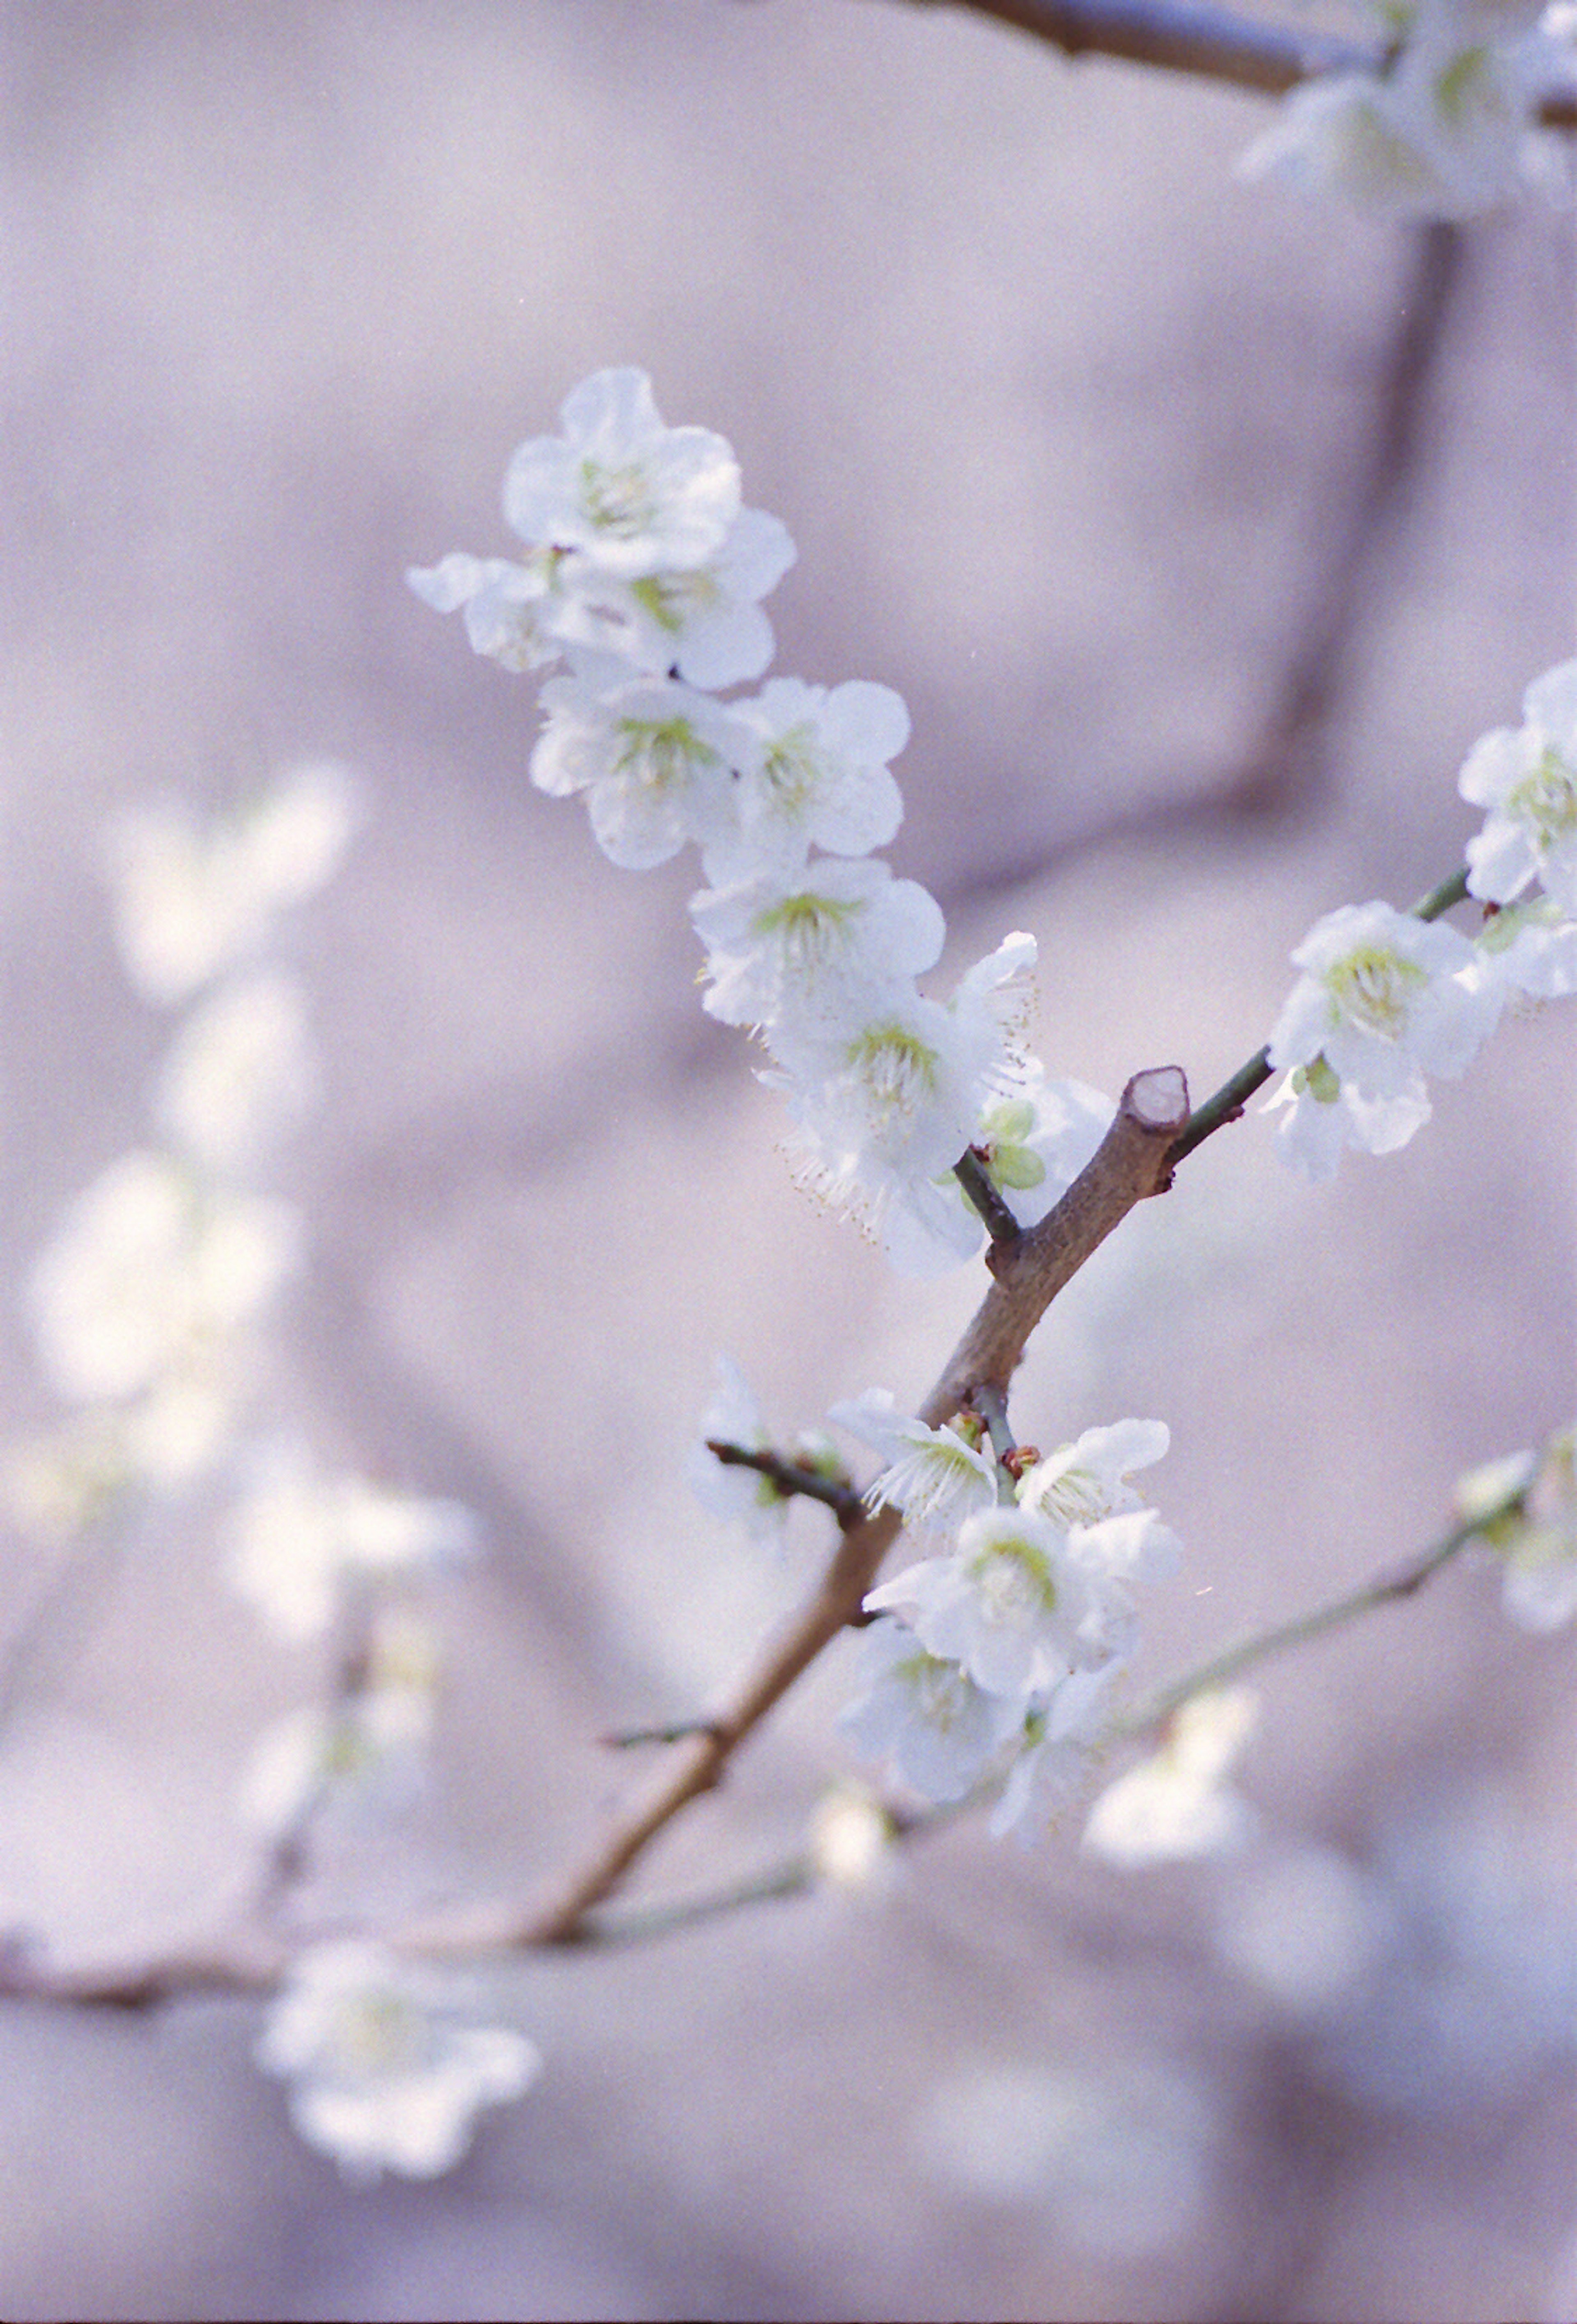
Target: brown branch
[[1129, 1164], [1209, 43]]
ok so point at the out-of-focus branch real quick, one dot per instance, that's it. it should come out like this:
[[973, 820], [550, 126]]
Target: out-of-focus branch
[[1211, 43]]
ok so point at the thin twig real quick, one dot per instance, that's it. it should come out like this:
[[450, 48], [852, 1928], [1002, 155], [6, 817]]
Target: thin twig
[[1209, 43], [976, 1182], [790, 1476]]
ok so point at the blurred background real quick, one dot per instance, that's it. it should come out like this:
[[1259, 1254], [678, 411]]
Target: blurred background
[[1203, 533]]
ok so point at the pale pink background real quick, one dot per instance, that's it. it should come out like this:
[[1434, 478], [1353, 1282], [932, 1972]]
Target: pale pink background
[[1059, 415]]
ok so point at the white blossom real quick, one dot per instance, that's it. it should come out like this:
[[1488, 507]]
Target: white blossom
[[888, 1102], [1540, 1544], [704, 622], [849, 1841], [1525, 777], [365, 1753], [1530, 948], [1323, 1118], [385, 2072], [1091, 1477], [1383, 994], [651, 755], [191, 900], [636, 496], [935, 1477], [1060, 1740], [508, 606], [242, 1068], [799, 953], [298, 1542], [813, 773], [1012, 1604], [1444, 128], [1175, 1804], [925, 1714], [150, 1273]]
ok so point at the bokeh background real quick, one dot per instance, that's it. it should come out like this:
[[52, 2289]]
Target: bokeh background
[[1083, 444]]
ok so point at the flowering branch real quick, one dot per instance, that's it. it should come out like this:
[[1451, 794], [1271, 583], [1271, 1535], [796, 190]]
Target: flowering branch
[[1209, 44]]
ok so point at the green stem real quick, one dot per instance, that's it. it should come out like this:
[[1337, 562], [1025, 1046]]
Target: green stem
[[1234, 1660], [976, 1182]]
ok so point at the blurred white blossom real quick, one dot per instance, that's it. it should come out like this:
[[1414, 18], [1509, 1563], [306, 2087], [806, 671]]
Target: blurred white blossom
[[242, 1069], [385, 2074], [298, 1542], [192, 900], [1176, 1803], [150, 1273]]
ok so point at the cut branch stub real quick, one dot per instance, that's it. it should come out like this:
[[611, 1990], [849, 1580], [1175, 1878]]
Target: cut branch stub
[[1129, 1164]]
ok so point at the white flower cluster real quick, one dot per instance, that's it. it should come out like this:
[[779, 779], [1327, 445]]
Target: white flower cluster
[[145, 1303], [645, 574], [1443, 127], [1386, 998], [996, 1653]]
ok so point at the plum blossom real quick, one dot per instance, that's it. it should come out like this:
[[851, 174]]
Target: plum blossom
[[298, 1542], [849, 1841], [1442, 128], [797, 953], [1060, 1740], [1325, 1117], [508, 607], [813, 773], [191, 899], [1091, 1477], [386, 2074], [241, 1069], [1175, 1804], [152, 1273], [1383, 997], [1525, 777], [935, 1477], [651, 755], [924, 1713], [1011, 1604], [704, 622], [636, 496], [364, 1754], [1529, 948], [887, 1103], [1528, 1505]]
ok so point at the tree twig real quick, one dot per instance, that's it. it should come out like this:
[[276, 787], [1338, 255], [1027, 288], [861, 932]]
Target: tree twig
[[1211, 43]]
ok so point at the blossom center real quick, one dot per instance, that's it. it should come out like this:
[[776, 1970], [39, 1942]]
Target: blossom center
[[660, 754], [1015, 1581], [810, 930], [618, 499], [1376, 989], [899, 1072], [1547, 799], [788, 767]]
